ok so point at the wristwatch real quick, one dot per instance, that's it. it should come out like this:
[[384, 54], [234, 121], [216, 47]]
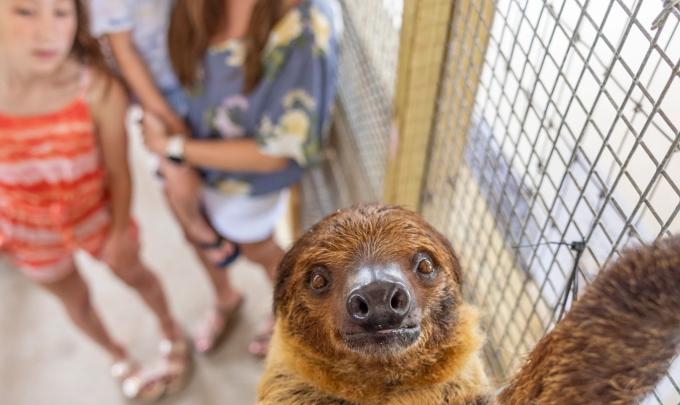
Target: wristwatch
[[174, 151]]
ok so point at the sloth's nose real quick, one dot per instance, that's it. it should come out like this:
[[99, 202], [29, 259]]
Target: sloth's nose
[[381, 303]]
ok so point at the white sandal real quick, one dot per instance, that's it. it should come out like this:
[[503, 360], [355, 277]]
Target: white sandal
[[176, 364], [137, 383]]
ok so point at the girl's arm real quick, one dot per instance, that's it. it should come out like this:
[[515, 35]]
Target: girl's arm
[[137, 76], [108, 103]]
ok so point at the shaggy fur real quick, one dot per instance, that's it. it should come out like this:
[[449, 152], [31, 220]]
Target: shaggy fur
[[616, 342], [613, 345]]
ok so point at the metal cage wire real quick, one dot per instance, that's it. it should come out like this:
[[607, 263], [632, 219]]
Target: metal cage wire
[[571, 155], [354, 167], [568, 153]]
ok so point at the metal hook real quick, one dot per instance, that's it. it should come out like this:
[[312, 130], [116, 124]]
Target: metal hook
[[665, 12]]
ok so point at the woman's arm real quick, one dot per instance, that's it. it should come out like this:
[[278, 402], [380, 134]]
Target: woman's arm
[[232, 155], [137, 76], [237, 155]]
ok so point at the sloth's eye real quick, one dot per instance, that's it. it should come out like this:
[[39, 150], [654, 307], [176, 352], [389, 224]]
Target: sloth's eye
[[318, 282], [423, 264], [319, 279]]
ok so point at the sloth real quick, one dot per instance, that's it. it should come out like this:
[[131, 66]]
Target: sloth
[[369, 310]]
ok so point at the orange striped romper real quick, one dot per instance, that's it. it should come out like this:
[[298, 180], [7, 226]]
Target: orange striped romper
[[53, 198]]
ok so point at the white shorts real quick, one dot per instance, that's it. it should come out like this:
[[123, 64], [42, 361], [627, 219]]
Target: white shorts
[[244, 219]]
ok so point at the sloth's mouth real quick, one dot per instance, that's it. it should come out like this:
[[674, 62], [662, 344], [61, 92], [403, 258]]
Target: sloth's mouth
[[391, 338]]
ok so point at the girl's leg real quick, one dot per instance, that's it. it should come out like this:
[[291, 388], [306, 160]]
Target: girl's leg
[[182, 191], [268, 254], [226, 296], [136, 275], [174, 348], [180, 201], [212, 327], [74, 295]]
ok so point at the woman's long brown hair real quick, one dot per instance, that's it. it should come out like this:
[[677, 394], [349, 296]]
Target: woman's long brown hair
[[86, 48], [265, 15], [194, 22]]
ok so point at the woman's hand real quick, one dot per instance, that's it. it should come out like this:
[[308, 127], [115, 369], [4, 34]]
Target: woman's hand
[[155, 133]]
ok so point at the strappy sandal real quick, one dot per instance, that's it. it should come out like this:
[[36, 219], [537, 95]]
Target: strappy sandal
[[214, 328], [176, 364], [218, 244], [137, 383], [259, 346]]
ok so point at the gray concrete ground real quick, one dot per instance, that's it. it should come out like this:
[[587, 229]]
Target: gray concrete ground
[[44, 360]]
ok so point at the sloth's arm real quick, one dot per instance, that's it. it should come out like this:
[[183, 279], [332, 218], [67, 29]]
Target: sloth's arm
[[616, 342]]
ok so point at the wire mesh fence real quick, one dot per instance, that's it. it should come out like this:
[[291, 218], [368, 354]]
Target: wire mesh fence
[[555, 146], [567, 154], [354, 167]]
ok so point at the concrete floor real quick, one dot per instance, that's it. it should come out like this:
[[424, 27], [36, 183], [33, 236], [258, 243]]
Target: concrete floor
[[45, 360]]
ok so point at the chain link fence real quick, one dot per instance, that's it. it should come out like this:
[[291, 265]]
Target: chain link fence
[[571, 154]]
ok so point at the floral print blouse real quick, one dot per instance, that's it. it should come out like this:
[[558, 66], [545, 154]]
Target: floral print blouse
[[288, 110]]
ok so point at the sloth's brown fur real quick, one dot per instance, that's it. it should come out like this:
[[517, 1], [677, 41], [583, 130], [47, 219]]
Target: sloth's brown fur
[[611, 348], [618, 339]]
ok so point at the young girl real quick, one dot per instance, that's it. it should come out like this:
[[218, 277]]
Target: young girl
[[260, 75], [64, 179], [136, 33]]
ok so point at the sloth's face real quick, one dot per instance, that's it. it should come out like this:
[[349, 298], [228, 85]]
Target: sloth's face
[[381, 308], [374, 281]]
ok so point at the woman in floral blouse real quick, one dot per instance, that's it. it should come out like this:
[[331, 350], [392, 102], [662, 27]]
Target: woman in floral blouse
[[260, 77]]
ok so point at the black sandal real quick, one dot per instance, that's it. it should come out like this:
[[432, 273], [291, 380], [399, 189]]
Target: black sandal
[[218, 243]]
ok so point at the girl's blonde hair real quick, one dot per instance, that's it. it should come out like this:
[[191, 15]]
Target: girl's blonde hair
[[194, 22]]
